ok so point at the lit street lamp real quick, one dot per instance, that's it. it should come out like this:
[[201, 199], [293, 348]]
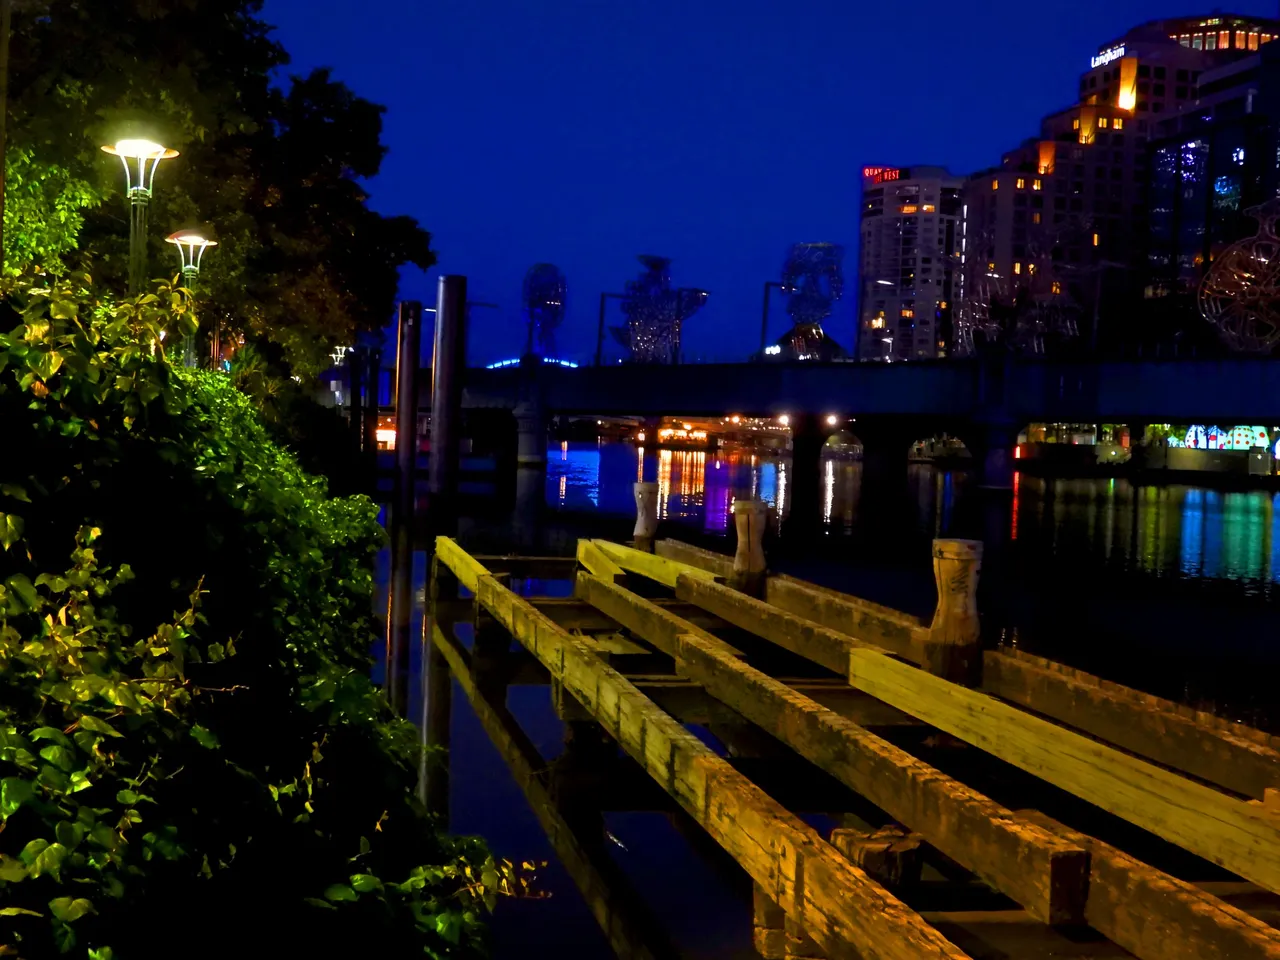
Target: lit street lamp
[[138, 183], [191, 246]]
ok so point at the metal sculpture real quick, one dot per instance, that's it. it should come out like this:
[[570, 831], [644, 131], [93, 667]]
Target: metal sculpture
[[812, 280], [655, 313], [1240, 295], [545, 290]]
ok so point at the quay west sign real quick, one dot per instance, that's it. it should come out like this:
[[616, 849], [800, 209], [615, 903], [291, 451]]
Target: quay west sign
[[1107, 56], [884, 174]]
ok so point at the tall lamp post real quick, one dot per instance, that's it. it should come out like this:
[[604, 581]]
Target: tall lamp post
[[764, 313], [600, 327], [140, 158], [191, 246]]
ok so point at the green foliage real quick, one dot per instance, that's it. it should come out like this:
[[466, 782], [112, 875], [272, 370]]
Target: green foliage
[[187, 725], [44, 211]]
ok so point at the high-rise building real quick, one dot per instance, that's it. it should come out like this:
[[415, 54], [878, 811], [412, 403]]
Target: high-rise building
[[909, 262], [1209, 163], [1056, 234]]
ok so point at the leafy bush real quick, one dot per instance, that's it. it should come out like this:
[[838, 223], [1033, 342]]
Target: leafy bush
[[192, 756]]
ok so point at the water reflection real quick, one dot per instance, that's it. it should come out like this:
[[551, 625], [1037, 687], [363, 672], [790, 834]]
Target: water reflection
[[1178, 531]]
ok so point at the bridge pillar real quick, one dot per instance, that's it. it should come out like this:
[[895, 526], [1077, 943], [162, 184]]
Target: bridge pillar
[[531, 473], [808, 436], [992, 446], [886, 444]]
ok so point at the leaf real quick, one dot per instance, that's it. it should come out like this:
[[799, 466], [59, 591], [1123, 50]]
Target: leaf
[[18, 911], [10, 529], [49, 860], [21, 586], [51, 733], [59, 756], [127, 797], [365, 882], [204, 737], [68, 910], [90, 722], [14, 491], [32, 850], [14, 792], [12, 870], [340, 891]]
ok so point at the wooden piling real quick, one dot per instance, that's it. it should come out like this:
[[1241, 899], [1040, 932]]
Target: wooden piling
[[750, 517], [952, 648], [646, 530]]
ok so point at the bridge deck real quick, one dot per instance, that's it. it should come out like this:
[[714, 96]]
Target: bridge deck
[[653, 642]]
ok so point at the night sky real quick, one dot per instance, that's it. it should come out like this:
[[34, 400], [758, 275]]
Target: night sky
[[714, 132]]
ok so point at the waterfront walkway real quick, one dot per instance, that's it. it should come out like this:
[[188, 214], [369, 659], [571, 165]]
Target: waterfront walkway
[[956, 776]]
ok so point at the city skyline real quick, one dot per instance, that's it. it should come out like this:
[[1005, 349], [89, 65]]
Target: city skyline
[[716, 137]]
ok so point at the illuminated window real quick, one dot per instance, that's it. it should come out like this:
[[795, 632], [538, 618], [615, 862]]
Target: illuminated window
[[1021, 184], [1267, 38], [1095, 239], [1103, 123], [907, 313], [1241, 40], [1035, 216], [1075, 124], [1017, 268], [1224, 39], [1253, 41], [942, 304], [991, 268], [877, 323], [1118, 123], [995, 184], [1057, 287], [1031, 269], [908, 208]]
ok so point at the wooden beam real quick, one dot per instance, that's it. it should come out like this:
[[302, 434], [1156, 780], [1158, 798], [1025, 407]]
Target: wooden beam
[[1019, 859], [1135, 721], [1223, 830], [650, 565], [881, 626], [836, 903], [466, 568], [802, 637], [598, 563], [1158, 917], [1006, 934], [631, 933]]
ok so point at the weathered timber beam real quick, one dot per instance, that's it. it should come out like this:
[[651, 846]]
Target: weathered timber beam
[[823, 646], [1021, 860], [656, 568], [631, 932], [836, 903], [465, 567], [1137, 722], [1158, 917], [576, 614], [873, 623], [1229, 832], [598, 563]]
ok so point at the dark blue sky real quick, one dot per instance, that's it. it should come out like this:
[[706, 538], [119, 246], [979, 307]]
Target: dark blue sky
[[714, 132]]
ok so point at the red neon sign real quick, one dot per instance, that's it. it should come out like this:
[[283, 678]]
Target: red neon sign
[[882, 174]]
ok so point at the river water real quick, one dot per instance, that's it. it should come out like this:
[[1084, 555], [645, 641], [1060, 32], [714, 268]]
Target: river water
[[1167, 588]]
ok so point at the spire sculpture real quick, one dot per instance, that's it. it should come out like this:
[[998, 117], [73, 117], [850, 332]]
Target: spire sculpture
[[812, 280], [655, 313], [544, 295]]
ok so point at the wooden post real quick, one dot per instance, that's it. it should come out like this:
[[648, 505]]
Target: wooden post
[[952, 648], [646, 516], [401, 605], [750, 518]]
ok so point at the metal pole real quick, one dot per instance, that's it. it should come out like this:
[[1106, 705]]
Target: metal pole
[[372, 392], [190, 275], [410, 343], [448, 361], [138, 201], [764, 320]]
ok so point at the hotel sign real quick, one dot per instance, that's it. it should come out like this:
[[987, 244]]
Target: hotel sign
[[884, 174], [1107, 56]]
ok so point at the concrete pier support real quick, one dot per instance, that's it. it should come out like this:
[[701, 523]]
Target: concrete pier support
[[804, 485], [992, 446]]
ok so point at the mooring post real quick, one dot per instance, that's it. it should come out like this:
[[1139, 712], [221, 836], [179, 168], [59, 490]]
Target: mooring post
[[448, 361], [953, 648], [750, 518], [407, 359], [646, 516]]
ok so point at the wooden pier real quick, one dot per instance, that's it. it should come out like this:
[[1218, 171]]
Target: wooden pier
[[995, 804]]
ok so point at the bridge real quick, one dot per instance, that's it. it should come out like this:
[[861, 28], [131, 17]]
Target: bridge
[[986, 403]]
